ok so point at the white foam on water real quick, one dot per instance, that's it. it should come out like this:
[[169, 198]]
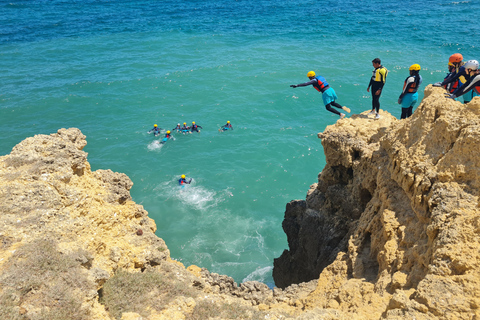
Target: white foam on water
[[260, 274], [197, 197], [155, 145]]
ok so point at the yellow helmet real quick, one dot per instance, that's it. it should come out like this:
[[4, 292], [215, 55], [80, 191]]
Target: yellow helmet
[[228, 121], [311, 74], [415, 67], [193, 122], [168, 132], [155, 125], [184, 123], [183, 176]]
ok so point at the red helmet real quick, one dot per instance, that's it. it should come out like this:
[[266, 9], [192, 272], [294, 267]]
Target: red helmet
[[456, 58]]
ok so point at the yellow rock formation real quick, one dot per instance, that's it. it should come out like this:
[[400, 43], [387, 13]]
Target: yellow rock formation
[[408, 191], [390, 231]]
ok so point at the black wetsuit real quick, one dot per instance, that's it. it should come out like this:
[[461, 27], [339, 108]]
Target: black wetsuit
[[377, 82], [195, 127]]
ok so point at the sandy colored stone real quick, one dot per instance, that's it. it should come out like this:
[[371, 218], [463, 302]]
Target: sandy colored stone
[[407, 190], [391, 229]]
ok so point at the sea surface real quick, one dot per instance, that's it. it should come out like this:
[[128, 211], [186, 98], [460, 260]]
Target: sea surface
[[116, 68]]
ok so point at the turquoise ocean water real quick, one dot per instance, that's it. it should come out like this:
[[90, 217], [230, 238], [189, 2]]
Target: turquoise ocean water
[[115, 68]]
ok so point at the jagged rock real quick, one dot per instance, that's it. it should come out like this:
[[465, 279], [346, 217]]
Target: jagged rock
[[397, 209]]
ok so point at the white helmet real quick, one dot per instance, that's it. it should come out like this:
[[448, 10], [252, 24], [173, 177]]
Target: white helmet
[[471, 64]]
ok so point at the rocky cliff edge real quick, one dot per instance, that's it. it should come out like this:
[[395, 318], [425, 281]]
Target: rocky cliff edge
[[393, 225]]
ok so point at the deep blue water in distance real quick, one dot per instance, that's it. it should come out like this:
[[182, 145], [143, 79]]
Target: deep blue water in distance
[[114, 68]]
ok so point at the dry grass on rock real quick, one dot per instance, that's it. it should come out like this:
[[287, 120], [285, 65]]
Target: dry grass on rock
[[46, 283]]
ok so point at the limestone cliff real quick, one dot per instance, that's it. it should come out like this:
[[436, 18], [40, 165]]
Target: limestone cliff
[[73, 245], [391, 230], [392, 227]]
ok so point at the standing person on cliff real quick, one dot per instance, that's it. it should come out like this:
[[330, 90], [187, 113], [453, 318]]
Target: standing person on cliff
[[377, 82], [328, 94], [409, 96]]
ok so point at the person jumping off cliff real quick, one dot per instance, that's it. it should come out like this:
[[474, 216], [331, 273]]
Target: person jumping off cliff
[[328, 94]]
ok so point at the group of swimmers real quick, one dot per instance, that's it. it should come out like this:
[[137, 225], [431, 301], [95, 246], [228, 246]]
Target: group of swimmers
[[462, 78], [168, 135], [156, 130]]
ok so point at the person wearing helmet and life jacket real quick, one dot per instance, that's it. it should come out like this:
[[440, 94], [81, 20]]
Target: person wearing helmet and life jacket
[[328, 94], [195, 127], [456, 78], [182, 181], [377, 82], [450, 87], [185, 128], [155, 130], [177, 128], [167, 136], [409, 96], [226, 127], [473, 82]]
